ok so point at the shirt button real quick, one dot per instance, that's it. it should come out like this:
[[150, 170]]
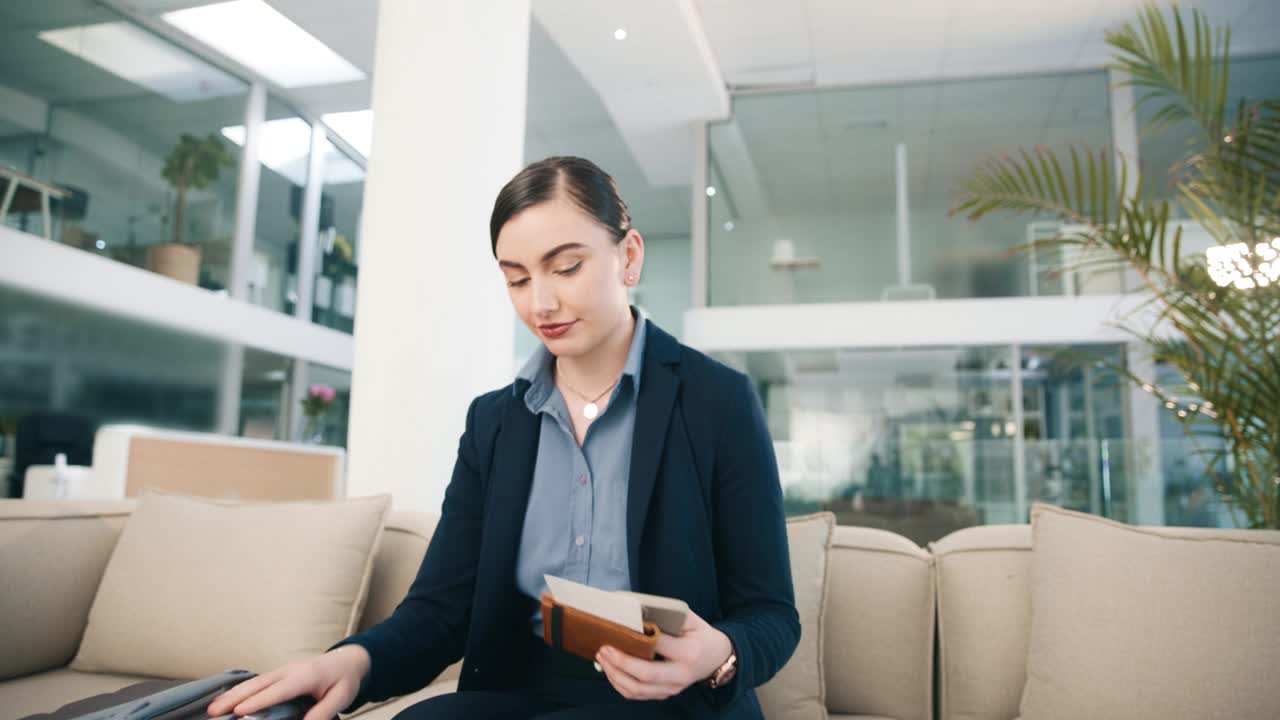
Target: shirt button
[[582, 479], [579, 541]]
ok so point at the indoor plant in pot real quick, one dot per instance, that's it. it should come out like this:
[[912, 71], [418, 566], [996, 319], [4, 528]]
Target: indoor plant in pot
[[194, 164]]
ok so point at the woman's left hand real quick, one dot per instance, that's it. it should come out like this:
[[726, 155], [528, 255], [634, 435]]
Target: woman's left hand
[[695, 655]]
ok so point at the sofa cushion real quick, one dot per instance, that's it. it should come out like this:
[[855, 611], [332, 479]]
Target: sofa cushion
[[1141, 623], [878, 650], [47, 691], [400, 552], [797, 690], [52, 555], [196, 586], [983, 580], [391, 708]]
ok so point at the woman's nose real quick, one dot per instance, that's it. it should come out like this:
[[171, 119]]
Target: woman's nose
[[545, 301]]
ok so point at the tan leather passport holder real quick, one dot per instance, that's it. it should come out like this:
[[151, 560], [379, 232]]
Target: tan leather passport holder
[[569, 629]]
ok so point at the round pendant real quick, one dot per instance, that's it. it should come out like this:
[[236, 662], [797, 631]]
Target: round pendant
[[591, 410]]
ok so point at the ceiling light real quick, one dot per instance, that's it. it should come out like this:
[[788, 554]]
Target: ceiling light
[[711, 191], [136, 55], [620, 34], [285, 146], [356, 127], [258, 36], [728, 225]]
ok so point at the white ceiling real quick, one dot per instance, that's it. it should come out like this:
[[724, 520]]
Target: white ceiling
[[843, 42], [628, 104], [654, 84]]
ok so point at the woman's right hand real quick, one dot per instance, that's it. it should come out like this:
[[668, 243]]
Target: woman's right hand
[[332, 679]]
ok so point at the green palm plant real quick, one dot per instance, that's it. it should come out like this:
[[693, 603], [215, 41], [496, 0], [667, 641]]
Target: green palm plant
[[1213, 318]]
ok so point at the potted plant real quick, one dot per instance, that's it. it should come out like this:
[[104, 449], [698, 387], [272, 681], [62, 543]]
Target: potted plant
[[1216, 314], [194, 163]]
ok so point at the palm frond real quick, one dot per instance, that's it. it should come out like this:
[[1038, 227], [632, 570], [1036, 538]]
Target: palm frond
[[1223, 341]]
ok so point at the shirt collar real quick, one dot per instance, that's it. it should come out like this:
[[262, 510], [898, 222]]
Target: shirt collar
[[537, 369]]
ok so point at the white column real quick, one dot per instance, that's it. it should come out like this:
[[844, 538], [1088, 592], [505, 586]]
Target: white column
[[903, 216], [294, 392], [231, 381], [1143, 462], [433, 322], [1021, 502], [230, 388], [1124, 138], [698, 232], [255, 112], [308, 243]]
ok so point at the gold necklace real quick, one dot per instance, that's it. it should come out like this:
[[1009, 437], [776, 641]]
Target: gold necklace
[[590, 410]]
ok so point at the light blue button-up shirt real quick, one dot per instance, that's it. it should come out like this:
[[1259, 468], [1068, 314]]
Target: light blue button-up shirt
[[575, 525]]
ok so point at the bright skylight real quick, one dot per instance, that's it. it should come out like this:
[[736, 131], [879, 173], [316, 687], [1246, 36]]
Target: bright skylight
[[257, 35], [138, 56], [356, 127], [285, 146]]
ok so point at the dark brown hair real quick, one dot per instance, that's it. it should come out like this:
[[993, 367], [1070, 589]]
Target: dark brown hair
[[579, 179]]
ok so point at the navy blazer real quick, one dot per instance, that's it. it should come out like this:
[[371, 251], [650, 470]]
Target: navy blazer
[[705, 524]]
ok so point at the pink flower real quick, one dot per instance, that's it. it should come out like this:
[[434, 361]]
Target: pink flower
[[324, 393]]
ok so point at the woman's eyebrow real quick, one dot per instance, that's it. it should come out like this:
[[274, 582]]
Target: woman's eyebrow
[[545, 256], [561, 248]]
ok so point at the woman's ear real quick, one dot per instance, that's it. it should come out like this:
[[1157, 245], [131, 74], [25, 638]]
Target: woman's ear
[[633, 257]]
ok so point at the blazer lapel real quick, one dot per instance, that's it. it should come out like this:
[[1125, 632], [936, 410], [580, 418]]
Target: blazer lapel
[[515, 455], [658, 386]]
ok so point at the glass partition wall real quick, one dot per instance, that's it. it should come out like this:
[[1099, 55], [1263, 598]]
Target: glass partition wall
[[924, 441], [122, 128], [134, 146], [122, 142], [842, 195]]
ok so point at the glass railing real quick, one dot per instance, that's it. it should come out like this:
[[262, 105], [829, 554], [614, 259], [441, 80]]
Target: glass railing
[[934, 487]]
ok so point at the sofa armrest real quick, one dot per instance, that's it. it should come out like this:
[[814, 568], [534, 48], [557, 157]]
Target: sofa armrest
[[52, 556]]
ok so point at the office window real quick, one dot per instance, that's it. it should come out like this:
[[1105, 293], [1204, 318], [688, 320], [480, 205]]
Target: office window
[[805, 184], [1162, 150], [116, 122], [338, 237]]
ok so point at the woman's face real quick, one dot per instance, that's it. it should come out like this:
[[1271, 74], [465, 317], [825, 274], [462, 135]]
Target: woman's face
[[566, 276]]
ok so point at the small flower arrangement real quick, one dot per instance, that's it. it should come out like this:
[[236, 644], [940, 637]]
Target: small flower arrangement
[[315, 404], [318, 399]]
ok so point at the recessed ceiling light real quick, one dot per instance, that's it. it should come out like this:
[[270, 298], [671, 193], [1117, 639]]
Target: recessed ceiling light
[[620, 34], [257, 35], [138, 56], [711, 191]]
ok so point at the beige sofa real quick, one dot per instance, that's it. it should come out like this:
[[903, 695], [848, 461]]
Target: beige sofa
[[891, 609]]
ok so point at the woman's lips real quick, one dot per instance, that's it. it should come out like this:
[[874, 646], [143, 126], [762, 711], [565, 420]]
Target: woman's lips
[[556, 330]]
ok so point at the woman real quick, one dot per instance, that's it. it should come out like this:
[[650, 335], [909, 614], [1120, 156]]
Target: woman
[[618, 458]]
